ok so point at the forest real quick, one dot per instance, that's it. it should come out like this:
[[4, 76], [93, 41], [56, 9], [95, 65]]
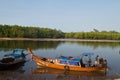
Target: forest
[[16, 31]]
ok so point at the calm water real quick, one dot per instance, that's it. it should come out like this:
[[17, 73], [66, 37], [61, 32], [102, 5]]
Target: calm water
[[30, 71]]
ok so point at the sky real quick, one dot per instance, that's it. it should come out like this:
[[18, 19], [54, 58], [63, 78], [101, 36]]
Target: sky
[[64, 15]]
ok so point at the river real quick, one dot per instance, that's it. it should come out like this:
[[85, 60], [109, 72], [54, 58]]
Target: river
[[52, 49]]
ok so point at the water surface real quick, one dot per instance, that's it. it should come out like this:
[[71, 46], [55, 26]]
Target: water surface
[[52, 49]]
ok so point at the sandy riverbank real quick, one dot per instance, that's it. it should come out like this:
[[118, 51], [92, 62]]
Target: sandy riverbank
[[49, 39]]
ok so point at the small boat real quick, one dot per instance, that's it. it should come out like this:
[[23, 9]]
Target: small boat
[[13, 60], [65, 63]]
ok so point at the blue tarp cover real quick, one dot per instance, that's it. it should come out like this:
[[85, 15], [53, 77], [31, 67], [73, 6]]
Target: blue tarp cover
[[14, 55], [65, 60]]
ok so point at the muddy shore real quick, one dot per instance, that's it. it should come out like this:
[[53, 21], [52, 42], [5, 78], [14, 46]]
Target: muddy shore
[[50, 39]]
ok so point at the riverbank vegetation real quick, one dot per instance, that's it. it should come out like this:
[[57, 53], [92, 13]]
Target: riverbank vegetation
[[15, 31]]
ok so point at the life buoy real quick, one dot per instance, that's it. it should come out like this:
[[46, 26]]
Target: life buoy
[[66, 67]]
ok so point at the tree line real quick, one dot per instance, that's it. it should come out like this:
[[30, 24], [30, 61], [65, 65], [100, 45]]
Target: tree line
[[15, 31], [94, 35]]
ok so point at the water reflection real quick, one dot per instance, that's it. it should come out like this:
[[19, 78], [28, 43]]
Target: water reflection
[[52, 44], [69, 75], [108, 50], [31, 44], [11, 74], [44, 70], [99, 44]]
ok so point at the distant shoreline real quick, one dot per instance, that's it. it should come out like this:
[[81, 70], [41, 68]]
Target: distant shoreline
[[50, 39]]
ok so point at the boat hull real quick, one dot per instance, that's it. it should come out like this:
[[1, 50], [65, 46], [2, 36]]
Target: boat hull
[[66, 67], [10, 66], [43, 63]]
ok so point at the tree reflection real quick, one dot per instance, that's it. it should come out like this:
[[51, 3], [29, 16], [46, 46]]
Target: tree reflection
[[31, 44], [98, 44], [10, 44]]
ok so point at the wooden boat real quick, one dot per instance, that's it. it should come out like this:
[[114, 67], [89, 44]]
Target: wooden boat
[[46, 70], [13, 60], [46, 63]]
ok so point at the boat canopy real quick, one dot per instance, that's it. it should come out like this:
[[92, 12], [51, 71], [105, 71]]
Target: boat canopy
[[89, 54], [18, 50], [16, 53], [13, 55]]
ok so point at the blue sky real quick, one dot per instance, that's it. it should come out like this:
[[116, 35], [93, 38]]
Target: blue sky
[[65, 15]]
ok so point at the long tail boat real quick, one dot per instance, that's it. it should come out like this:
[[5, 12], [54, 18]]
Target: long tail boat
[[13, 60], [51, 63]]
